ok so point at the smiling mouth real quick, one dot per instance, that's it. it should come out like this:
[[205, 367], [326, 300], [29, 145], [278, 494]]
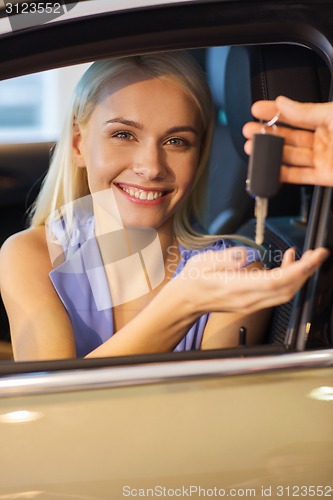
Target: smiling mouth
[[142, 194]]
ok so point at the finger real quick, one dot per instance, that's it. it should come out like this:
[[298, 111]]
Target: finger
[[288, 257], [299, 138], [297, 156], [271, 288], [304, 115], [248, 147], [279, 285], [303, 175], [264, 110], [291, 174], [311, 260], [301, 115], [251, 128]]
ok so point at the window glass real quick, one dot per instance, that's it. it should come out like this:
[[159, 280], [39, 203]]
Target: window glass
[[32, 107]]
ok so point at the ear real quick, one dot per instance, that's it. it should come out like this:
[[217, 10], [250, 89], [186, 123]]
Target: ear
[[77, 146]]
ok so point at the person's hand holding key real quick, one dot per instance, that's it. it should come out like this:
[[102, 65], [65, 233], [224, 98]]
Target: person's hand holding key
[[263, 179]]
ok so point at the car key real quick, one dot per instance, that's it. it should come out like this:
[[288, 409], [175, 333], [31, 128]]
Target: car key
[[263, 179]]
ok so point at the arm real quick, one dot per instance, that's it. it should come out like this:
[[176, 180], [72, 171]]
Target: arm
[[40, 326], [214, 282], [41, 329], [222, 329], [308, 150]]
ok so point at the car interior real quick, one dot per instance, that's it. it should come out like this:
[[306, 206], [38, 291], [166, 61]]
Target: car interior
[[238, 76]]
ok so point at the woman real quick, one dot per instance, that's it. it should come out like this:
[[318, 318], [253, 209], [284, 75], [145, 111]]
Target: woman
[[131, 161]]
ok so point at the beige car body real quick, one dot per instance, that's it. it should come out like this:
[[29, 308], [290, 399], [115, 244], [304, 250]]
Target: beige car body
[[255, 427]]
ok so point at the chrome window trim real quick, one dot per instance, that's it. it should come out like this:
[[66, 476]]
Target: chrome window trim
[[143, 374]]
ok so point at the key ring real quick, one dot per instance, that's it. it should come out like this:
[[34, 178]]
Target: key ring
[[270, 123]]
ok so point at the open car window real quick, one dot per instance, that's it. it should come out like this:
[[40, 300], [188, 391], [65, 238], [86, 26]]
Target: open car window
[[30, 131]]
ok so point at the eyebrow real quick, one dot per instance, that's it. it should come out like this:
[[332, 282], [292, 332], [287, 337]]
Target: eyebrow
[[123, 121], [139, 126]]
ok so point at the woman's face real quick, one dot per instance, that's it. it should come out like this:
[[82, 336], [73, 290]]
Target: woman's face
[[143, 142]]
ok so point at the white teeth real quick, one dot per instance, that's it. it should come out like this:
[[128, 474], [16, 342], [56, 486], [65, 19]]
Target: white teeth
[[143, 195]]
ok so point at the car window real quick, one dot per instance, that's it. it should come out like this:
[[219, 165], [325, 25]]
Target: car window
[[32, 110], [32, 107]]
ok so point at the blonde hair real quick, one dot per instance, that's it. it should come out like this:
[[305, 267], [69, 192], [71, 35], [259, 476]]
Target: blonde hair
[[65, 182]]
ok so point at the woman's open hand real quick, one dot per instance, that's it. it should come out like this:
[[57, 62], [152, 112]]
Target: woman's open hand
[[218, 281]]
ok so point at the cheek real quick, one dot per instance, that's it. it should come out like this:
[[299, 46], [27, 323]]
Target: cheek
[[103, 166], [187, 173]]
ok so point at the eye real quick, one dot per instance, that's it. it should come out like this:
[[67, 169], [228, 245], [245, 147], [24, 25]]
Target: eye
[[123, 135], [178, 142]]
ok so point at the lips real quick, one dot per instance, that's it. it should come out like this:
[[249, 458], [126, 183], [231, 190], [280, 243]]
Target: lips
[[144, 194]]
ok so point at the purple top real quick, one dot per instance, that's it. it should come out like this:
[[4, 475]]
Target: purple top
[[85, 293]]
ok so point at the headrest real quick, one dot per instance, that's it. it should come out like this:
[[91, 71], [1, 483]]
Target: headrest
[[242, 75], [215, 68]]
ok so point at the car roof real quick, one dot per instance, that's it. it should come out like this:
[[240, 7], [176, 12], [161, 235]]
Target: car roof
[[123, 27], [71, 10], [319, 12]]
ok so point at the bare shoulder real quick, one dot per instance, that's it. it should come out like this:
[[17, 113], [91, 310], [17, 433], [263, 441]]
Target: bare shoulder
[[32, 304], [32, 236], [24, 257], [25, 245]]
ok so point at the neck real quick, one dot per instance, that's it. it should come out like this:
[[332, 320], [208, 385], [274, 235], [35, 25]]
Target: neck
[[167, 237], [158, 249], [169, 246]]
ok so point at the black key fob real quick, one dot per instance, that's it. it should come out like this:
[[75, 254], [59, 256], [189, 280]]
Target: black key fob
[[263, 176]]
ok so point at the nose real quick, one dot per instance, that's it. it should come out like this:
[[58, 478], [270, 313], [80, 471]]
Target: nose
[[150, 162]]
